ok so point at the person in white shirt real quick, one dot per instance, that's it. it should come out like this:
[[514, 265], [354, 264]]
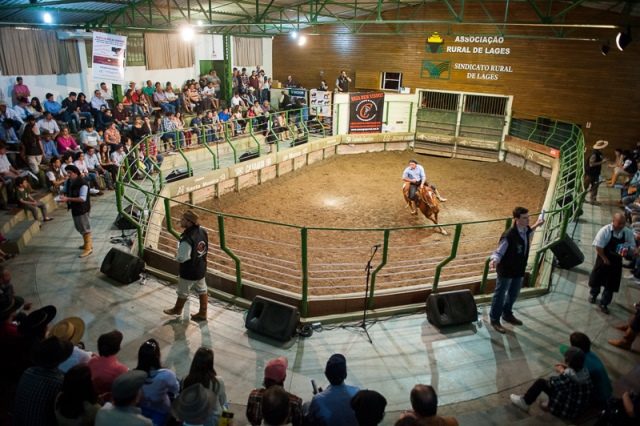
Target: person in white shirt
[[89, 137], [106, 93], [93, 165], [237, 100], [118, 155], [22, 109], [210, 100], [97, 101], [50, 125]]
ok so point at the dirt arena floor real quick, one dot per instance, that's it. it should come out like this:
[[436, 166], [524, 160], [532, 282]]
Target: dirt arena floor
[[364, 191]]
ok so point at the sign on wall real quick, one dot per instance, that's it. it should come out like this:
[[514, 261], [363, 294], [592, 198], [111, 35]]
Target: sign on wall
[[109, 57], [366, 112], [482, 51], [320, 103]]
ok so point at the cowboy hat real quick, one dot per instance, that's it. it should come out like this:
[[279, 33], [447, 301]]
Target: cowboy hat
[[71, 329], [191, 216], [51, 352], [600, 144], [127, 385], [37, 320], [10, 304], [193, 404]]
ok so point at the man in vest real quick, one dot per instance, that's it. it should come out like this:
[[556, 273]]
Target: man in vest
[[510, 259], [342, 82], [192, 255], [77, 199], [592, 171], [611, 243]]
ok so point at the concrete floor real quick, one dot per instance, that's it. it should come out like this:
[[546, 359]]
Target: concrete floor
[[473, 368]]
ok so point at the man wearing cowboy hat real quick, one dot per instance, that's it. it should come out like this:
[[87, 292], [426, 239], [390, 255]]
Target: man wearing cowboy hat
[[192, 255], [193, 405], [592, 171], [39, 385], [77, 199], [71, 329]]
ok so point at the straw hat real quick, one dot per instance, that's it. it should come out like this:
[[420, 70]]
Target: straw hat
[[600, 144], [71, 329], [191, 216]]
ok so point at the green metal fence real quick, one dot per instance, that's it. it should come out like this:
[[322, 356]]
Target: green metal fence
[[312, 261]]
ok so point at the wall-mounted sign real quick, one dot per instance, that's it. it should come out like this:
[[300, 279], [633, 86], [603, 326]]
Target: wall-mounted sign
[[366, 112]]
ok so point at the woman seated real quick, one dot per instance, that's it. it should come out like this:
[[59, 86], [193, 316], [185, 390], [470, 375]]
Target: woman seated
[[162, 384], [106, 163], [186, 101], [77, 402], [36, 109], [90, 178], [203, 372], [66, 142], [141, 102], [180, 125], [196, 98], [238, 120]]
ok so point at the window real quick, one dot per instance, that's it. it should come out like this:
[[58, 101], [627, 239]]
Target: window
[[492, 105], [391, 81]]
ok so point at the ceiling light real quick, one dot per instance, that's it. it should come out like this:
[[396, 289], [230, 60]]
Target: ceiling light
[[200, 22], [48, 19], [623, 39], [294, 35], [605, 49], [187, 33], [302, 40]]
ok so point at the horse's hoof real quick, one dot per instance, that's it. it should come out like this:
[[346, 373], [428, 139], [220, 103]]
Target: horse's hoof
[[444, 233], [414, 212]]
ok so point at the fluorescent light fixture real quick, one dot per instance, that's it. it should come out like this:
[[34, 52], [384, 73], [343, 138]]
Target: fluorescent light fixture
[[47, 18], [200, 22], [187, 33], [302, 40], [623, 39], [294, 35]]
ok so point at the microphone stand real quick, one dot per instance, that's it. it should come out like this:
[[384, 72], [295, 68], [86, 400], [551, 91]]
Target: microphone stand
[[363, 325]]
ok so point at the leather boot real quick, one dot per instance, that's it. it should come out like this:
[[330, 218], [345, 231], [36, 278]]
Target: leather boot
[[177, 309], [202, 313], [626, 341], [622, 327], [414, 209], [614, 178], [86, 249]]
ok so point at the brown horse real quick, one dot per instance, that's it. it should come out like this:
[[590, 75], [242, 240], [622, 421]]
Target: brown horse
[[427, 203]]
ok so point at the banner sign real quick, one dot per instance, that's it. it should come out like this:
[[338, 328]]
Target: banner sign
[[109, 57], [366, 112], [320, 103]]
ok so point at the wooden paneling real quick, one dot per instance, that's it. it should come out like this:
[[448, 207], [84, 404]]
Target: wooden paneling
[[563, 79]]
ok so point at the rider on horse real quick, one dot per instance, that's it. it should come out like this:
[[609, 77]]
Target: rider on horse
[[414, 174]]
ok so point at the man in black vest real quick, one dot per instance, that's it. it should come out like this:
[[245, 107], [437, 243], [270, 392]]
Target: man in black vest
[[77, 199], [342, 82], [592, 171], [510, 258], [192, 255]]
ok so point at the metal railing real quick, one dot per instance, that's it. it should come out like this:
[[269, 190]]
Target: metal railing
[[310, 261]]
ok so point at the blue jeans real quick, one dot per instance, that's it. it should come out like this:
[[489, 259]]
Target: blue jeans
[[167, 107], [501, 306], [607, 295]]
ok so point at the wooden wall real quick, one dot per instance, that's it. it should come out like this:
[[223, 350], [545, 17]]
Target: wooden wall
[[562, 79]]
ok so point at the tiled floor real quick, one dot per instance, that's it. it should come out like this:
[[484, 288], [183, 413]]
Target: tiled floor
[[472, 367]]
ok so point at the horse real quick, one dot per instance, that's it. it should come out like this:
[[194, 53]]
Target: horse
[[427, 202]]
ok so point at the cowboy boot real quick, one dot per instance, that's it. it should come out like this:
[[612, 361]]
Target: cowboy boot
[[177, 309], [414, 207], [202, 313], [614, 178], [86, 249], [622, 327], [626, 341]]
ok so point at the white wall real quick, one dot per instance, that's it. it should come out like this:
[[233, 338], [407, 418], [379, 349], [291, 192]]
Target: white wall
[[397, 105]]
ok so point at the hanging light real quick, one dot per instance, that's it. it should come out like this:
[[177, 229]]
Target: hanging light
[[302, 40], [47, 18], [623, 39], [294, 35], [187, 33]]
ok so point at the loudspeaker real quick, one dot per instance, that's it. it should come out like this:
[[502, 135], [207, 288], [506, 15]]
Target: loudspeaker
[[248, 156], [122, 223], [177, 174], [451, 308], [122, 266], [567, 253], [272, 319]]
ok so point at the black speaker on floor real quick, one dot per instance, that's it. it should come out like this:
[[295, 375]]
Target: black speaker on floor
[[122, 266], [122, 223], [451, 308], [567, 253], [248, 156], [177, 174], [272, 319]]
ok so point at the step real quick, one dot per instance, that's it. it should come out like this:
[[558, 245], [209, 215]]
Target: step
[[8, 221], [20, 235], [47, 199]]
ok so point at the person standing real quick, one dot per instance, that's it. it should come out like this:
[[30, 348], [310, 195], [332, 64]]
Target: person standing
[[342, 82], [610, 242], [510, 261], [192, 255], [77, 199], [592, 171]]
